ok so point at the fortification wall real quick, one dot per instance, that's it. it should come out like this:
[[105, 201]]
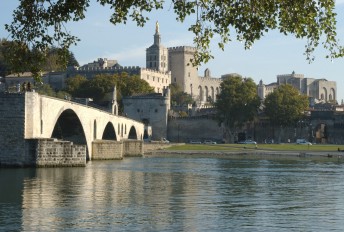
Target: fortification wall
[[91, 72], [210, 81], [193, 128], [184, 49]]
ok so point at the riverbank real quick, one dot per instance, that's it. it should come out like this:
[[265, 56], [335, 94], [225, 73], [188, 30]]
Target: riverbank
[[248, 153]]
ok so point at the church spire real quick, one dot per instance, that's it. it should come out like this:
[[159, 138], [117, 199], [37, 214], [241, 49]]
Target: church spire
[[157, 34]]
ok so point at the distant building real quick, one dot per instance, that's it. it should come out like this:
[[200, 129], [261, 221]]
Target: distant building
[[318, 90], [101, 63], [55, 79]]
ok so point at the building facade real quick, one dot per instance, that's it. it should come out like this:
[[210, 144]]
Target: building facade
[[203, 89], [319, 90], [152, 110]]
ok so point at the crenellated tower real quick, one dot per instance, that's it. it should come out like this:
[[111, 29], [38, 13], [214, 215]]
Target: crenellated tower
[[182, 71]]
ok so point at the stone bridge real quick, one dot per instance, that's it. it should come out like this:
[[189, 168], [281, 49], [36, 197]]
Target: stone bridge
[[30, 116]]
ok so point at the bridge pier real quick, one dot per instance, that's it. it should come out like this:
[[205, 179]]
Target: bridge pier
[[116, 150]]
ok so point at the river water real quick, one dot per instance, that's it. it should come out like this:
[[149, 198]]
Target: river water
[[175, 194]]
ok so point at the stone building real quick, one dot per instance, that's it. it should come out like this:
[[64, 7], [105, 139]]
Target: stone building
[[54, 79], [184, 74], [101, 63], [152, 110], [319, 90]]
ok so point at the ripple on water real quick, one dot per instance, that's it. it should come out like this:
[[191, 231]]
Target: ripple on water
[[175, 194]]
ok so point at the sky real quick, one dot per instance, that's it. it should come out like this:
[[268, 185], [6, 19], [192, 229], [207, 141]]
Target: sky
[[272, 55]]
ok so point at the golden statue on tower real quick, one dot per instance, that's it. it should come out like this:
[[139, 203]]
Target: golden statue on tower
[[157, 27]]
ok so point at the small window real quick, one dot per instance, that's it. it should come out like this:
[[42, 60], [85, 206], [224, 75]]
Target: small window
[[138, 110], [156, 110]]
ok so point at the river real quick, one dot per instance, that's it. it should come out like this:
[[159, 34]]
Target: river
[[175, 194]]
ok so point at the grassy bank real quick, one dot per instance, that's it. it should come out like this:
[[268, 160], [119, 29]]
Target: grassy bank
[[271, 147]]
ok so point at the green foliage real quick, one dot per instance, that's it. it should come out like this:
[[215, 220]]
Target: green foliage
[[4, 67], [237, 102], [285, 106], [46, 89], [72, 62], [38, 25], [101, 86], [52, 60], [73, 85], [31, 59], [178, 97]]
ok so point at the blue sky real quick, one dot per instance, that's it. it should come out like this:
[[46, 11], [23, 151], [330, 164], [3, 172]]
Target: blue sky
[[272, 55]]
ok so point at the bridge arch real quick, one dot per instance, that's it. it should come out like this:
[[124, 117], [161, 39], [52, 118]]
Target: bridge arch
[[132, 133], [68, 127], [109, 132]]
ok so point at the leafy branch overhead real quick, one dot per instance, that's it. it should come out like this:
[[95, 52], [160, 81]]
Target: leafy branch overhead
[[39, 24]]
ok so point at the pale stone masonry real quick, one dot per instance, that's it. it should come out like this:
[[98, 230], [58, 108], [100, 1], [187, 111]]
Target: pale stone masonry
[[107, 150], [152, 110], [29, 121], [54, 153], [318, 90]]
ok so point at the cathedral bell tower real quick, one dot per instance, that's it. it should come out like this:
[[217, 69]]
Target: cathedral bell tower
[[157, 55]]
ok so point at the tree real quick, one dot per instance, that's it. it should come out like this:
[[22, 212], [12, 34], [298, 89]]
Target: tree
[[236, 104], [4, 67], [74, 84], [128, 85], [52, 61], [285, 106], [45, 89], [178, 97], [101, 86], [72, 62], [247, 20]]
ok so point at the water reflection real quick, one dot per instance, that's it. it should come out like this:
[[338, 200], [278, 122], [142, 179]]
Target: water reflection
[[175, 194]]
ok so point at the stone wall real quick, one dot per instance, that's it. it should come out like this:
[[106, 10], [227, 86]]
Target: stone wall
[[55, 153], [107, 150], [193, 128]]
